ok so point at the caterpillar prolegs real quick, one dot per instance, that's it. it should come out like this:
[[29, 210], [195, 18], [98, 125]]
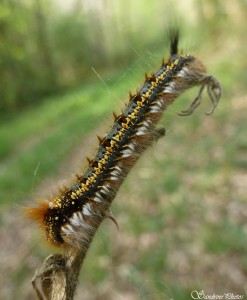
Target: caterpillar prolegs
[[71, 218]]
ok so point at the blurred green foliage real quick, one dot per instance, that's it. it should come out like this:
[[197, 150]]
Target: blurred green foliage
[[45, 48]]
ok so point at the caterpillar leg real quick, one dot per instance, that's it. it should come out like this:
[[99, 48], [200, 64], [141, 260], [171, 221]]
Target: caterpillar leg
[[110, 216], [214, 94], [160, 132], [194, 104]]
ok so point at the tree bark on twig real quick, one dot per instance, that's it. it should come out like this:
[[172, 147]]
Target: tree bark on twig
[[58, 277]]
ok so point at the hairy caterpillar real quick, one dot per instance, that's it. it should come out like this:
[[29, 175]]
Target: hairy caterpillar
[[71, 218]]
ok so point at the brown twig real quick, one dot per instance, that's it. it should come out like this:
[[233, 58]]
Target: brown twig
[[58, 277]]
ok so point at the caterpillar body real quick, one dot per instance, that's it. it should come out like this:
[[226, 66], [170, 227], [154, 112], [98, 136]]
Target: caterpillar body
[[70, 219]]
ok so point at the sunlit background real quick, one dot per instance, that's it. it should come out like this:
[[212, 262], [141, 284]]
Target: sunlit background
[[65, 66]]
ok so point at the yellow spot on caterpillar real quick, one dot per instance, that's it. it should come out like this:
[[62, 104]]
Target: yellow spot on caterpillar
[[121, 133], [147, 95], [73, 196], [159, 78], [124, 125], [128, 120], [132, 116], [84, 188], [97, 170], [57, 203], [56, 218], [78, 192], [103, 161], [116, 138], [91, 179], [109, 149], [112, 143]]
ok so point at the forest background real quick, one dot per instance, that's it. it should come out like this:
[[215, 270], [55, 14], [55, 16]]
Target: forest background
[[64, 66]]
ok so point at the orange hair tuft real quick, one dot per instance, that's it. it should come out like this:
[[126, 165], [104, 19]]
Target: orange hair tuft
[[37, 213]]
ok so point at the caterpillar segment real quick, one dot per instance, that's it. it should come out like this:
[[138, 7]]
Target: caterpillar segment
[[70, 219]]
